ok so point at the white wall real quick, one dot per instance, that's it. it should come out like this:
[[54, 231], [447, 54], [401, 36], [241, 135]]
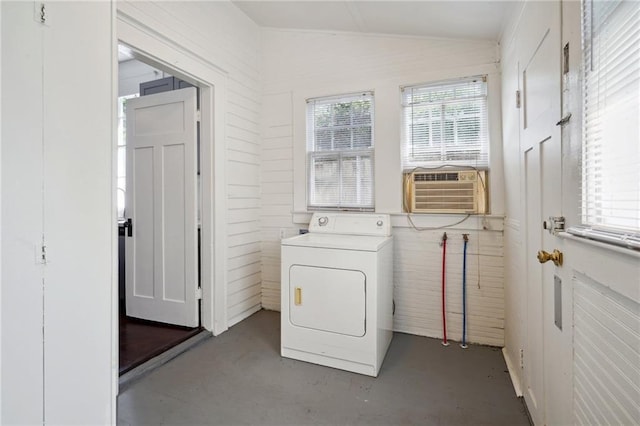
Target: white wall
[[582, 383], [223, 39], [57, 187], [515, 278], [302, 64]]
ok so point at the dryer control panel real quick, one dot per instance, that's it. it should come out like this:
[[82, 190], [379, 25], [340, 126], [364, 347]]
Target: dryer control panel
[[351, 223]]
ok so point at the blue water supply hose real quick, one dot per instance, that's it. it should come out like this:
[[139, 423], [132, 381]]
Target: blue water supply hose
[[465, 237]]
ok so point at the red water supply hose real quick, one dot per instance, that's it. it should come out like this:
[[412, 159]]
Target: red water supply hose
[[444, 265]]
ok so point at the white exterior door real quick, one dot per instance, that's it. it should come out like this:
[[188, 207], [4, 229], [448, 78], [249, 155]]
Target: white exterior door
[[541, 149], [161, 243]]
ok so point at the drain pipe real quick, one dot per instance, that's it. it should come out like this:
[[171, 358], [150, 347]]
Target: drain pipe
[[444, 314], [465, 237]]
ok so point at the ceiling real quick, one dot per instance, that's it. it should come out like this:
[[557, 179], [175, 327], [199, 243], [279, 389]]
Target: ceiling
[[463, 19]]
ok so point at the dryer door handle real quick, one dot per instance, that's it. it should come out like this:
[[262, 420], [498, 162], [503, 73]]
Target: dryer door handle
[[298, 296]]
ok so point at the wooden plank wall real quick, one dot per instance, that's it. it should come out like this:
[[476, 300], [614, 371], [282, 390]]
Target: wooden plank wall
[[418, 284], [606, 386], [220, 32]]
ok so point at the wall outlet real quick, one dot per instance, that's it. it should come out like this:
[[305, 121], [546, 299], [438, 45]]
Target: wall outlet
[[283, 233]]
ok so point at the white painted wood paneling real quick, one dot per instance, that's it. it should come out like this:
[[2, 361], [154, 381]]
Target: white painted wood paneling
[[21, 372], [57, 189], [606, 363], [79, 224], [301, 64], [228, 39], [418, 281], [276, 190], [66, 202], [514, 253]]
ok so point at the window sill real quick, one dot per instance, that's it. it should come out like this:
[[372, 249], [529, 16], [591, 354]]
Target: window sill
[[493, 223], [601, 245]]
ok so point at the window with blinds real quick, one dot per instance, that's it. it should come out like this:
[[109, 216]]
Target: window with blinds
[[611, 116], [340, 152], [445, 123]]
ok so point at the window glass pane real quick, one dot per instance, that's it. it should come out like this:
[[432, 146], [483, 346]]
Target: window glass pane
[[340, 146], [362, 137], [445, 124], [361, 113], [122, 161], [342, 138], [323, 139], [611, 111], [341, 114], [122, 154], [324, 189], [120, 203], [357, 184]]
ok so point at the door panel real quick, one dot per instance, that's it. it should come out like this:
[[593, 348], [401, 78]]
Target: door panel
[[173, 244], [540, 137], [161, 262], [144, 219], [327, 299]]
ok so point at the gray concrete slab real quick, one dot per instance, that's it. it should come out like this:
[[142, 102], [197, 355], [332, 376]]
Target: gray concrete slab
[[239, 378]]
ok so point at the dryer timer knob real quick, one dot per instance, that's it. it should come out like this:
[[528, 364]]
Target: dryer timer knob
[[322, 221], [379, 223]]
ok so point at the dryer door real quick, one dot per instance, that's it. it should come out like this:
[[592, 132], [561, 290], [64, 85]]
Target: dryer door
[[327, 299]]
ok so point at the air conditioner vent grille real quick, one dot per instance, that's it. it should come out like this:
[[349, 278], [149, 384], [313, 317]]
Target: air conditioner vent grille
[[430, 177], [447, 192]]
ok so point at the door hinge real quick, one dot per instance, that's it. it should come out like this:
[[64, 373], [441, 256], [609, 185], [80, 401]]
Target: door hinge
[[199, 293], [198, 115], [40, 12], [41, 253], [517, 99], [521, 358]]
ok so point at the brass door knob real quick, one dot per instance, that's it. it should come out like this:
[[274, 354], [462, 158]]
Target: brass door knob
[[555, 256]]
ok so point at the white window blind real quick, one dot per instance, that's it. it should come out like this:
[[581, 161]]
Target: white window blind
[[611, 121], [340, 152], [445, 123]]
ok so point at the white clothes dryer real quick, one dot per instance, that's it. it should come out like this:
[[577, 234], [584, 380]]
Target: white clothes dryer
[[337, 292]]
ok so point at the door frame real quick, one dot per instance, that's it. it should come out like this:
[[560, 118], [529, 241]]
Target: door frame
[[162, 52]]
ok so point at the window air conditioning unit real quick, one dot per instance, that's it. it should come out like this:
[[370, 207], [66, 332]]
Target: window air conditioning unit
[[447, 192]]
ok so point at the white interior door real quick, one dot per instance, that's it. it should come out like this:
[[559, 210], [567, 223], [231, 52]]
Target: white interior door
[[161, 243], [540, 84]]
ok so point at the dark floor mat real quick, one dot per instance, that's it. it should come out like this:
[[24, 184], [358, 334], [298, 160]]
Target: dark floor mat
[[142, 340]]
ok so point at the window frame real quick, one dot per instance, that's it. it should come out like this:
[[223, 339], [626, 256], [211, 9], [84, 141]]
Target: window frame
[[592, 219], [409, 164], [339, 154]]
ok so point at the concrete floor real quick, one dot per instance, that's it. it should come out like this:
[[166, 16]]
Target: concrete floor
[[239, 378]]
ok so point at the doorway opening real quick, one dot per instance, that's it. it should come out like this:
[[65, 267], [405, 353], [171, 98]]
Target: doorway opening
[[144, 334]]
